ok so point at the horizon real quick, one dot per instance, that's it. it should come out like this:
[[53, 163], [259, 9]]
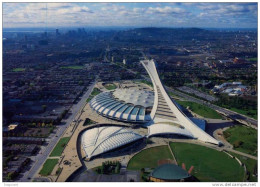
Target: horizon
[[173, 15], [52, 29]]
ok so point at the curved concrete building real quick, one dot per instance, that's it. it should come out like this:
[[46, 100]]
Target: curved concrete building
[[161, 129], [130, 105], [166, 110], [103, 139]]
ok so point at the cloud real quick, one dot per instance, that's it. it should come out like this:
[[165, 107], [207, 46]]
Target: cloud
[[130, 14], [165, 10], [227, 8]]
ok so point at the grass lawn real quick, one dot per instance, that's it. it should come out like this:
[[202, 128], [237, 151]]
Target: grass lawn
[[89, 98], [174, 95], [60, 146], [250, 113], [95, 92], [209, 165], [201, 110], [72, 67], [149, 158], [251, 164], [243, 139], [110, 86], [48, 166], [88, 122], [18, 69]]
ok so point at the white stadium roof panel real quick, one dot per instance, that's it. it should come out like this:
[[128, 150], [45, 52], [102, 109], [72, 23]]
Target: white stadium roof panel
[[134, 96], [160, 129], [102, 139]]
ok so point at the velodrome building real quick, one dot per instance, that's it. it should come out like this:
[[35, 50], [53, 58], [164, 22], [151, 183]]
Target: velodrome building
[[155, 110], [129, 105]]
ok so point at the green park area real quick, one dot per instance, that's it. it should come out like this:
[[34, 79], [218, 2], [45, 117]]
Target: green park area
[[95, 92], [18, 69], [48, 167], [201, 110], [209, 164], [72, 67], [251, 167], [59, 147], [149, 158], [242, 138], [110, 86]]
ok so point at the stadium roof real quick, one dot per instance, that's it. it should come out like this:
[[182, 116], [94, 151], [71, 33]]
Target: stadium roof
[[109, 106], [135, 96], [103, 139], [169, 172]]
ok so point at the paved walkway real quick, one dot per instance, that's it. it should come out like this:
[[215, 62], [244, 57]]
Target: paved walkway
[[242, 154], [174, 159]]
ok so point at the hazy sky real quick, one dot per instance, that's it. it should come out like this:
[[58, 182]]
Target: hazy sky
[[220, 15]]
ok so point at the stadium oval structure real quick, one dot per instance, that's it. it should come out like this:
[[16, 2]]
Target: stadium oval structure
[[130, 105], [99, 140]]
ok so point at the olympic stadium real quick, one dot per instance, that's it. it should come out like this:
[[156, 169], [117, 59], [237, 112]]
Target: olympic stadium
[[154, 110]]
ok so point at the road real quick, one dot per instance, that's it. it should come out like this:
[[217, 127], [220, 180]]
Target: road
[[43, 155]]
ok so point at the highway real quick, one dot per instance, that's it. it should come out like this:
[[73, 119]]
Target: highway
[[40, 158]]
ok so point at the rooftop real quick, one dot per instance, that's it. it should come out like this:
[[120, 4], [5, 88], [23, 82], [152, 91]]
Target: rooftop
[[169, 172]]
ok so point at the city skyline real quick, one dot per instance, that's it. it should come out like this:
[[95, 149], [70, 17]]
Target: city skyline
[[214, 15]]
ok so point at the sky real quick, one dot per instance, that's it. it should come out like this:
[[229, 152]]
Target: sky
[[202, 15]]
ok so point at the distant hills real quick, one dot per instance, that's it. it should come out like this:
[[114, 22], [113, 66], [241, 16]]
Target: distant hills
[[162, 34]]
